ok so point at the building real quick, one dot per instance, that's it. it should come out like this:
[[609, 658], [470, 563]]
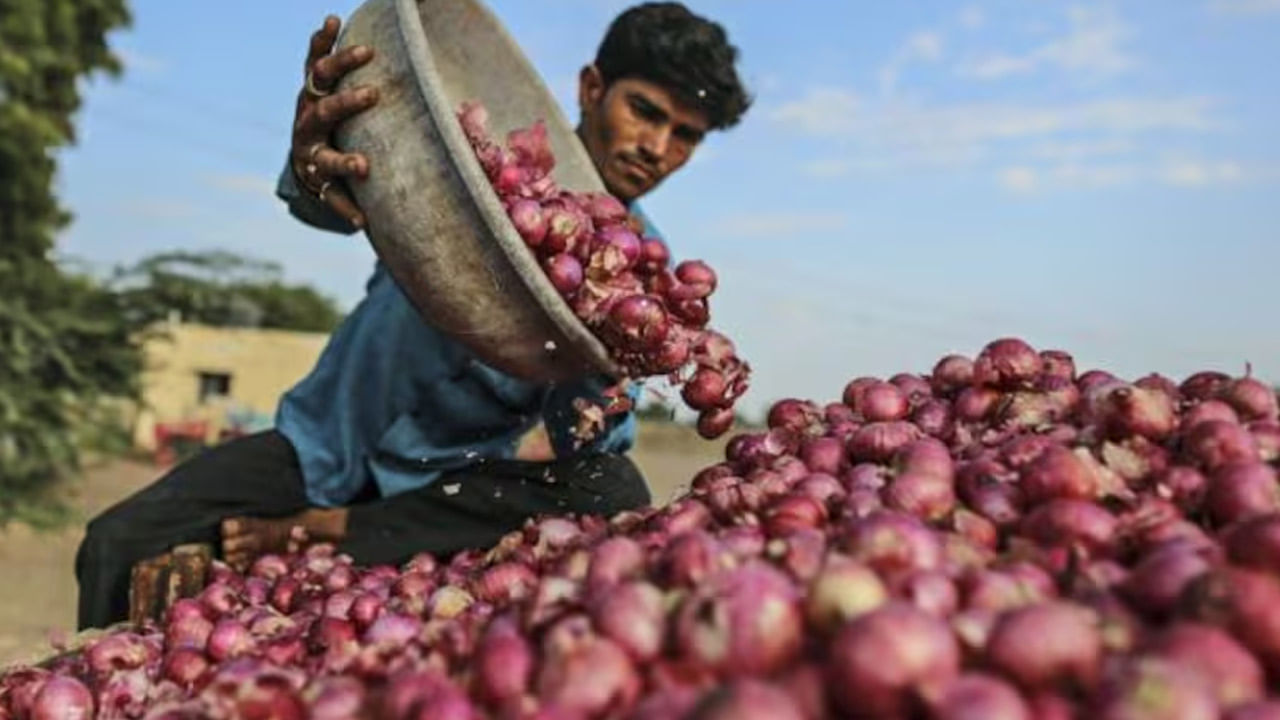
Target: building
[[213, 381]]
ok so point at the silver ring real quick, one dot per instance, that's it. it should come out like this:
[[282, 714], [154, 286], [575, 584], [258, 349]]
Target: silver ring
[[311, 88], [311, 170], [324, 187], [314, 150]]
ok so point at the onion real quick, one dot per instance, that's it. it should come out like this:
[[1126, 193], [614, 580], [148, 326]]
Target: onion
[[1007, 364], [62, 698], [185, 666], [888, 661], [1261, 710], [882, 401], [801, 416], [615, 559], [1266, 434], [715, 422], [1132, 410], [1225, 665], [589, 675], [842, 590], [878, 441], [565, 272], [747, 699], [793, 512], [1240, 490], [1253, 399], [933, 417], [951, 373], [529, 221], [1065, 522], [1214, 443], [1157, 689], [743, 620], [975, 403], [633, 615], [1058, 364], [978, 696], [852, 394], [229, 639], [892, 542], [690, 558], [1204, 385], [1158, 580], [928, 497], [1255, 543], [1184, 485], [1243, 603], [504, 663], [1052, 644], [930, 590], [1058, 473]]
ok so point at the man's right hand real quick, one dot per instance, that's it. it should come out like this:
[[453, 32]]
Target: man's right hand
[[317, 165]]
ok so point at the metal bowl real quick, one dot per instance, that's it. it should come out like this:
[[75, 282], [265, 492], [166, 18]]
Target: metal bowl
[[433, 218]]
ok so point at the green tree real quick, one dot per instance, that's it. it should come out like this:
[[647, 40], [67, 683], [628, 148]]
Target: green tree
[[65, 348], [223, 289]]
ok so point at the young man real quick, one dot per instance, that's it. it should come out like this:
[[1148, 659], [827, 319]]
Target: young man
[[399, 441]]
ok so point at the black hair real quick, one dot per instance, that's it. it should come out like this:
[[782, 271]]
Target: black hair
[[666, 43]]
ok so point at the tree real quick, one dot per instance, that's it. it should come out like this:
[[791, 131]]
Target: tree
[[223, 289], [65, 347]]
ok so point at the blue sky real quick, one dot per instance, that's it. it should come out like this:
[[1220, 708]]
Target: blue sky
[[914, 178]]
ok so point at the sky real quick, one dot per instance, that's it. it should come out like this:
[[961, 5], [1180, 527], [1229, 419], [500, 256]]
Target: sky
[[913, 179]]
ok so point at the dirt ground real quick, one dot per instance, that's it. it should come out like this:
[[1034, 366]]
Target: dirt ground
[[37, 584]]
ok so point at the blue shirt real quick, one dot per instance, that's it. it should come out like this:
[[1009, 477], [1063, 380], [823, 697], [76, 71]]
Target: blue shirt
[[394, 402]]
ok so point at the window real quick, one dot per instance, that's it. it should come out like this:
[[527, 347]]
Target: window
[[213, 385]]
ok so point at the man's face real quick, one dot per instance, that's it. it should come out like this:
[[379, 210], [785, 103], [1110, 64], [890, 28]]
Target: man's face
[[637, 132]]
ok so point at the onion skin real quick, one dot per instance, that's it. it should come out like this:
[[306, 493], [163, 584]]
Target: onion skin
[[1047, 646], [1223, 663], [978, 696], [747, 699], [884, 662], [1146, 687]]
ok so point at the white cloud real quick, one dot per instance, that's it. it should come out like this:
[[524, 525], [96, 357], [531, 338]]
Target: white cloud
[[1245, 7], [833, 112], [769, 224], [1018, 179], [244, 183], [1190, 173], [972, 17], [1081, 149], [924, 46], [1092, 46]]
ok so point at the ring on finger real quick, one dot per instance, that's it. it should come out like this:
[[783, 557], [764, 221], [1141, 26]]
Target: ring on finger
[[311, 88], [324, 187], [313, 151]]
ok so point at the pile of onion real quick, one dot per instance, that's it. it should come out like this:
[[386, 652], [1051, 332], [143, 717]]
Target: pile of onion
[[1000, 537], [651, 314]]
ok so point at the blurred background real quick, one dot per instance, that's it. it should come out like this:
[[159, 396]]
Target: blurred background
[[912, 180]]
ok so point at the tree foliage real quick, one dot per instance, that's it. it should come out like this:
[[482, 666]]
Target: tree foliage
[[65, 346], [222, 289]]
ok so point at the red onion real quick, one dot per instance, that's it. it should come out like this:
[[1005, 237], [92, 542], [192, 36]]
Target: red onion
[[978, 696], [930, 590], [887, 661], [615, 559], [793, 512], [1207, 410], [1058, 473], [1058, 364], [62, 698], [1213, 443], [800, 553], [1254, 543], [745, 620], [951, 374], [801, 416], [588, 675], [975, 403], [1132, 410], [1007, 364], [504, 663], [1253, 399], [823, 455], [565, 272], [229, 639], [1261, 710], [852, 394], [1239, 490], [928, 497], [1156, 689], [691, 557], [842, 590], [882, 401], [185, 666], [1243, 603], [1066, 522], [1228, 668], [528, 219], [1204, 385], [891, 542], [1053, 644], [747, 699], [1266, 434], [633, 615], [878, 441], [1157, 581], [933, 417]]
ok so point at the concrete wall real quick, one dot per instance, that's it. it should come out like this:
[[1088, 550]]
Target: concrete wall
[[259, 364]]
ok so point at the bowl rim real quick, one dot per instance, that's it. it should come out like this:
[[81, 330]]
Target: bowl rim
[[500, 228]]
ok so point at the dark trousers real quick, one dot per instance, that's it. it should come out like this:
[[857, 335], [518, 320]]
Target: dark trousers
[[258, 476]]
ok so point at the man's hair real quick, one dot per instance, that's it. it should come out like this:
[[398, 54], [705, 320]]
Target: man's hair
[[666, 43]]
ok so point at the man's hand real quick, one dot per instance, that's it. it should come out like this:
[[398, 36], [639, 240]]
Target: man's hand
[[319, 167]]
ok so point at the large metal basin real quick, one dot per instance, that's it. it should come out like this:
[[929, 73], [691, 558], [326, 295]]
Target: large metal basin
[[432, 217]]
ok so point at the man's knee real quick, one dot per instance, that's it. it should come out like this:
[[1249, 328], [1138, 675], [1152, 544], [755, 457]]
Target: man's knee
[[618, 481]]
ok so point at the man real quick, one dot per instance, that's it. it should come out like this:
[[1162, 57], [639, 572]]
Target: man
[[399, 441]]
